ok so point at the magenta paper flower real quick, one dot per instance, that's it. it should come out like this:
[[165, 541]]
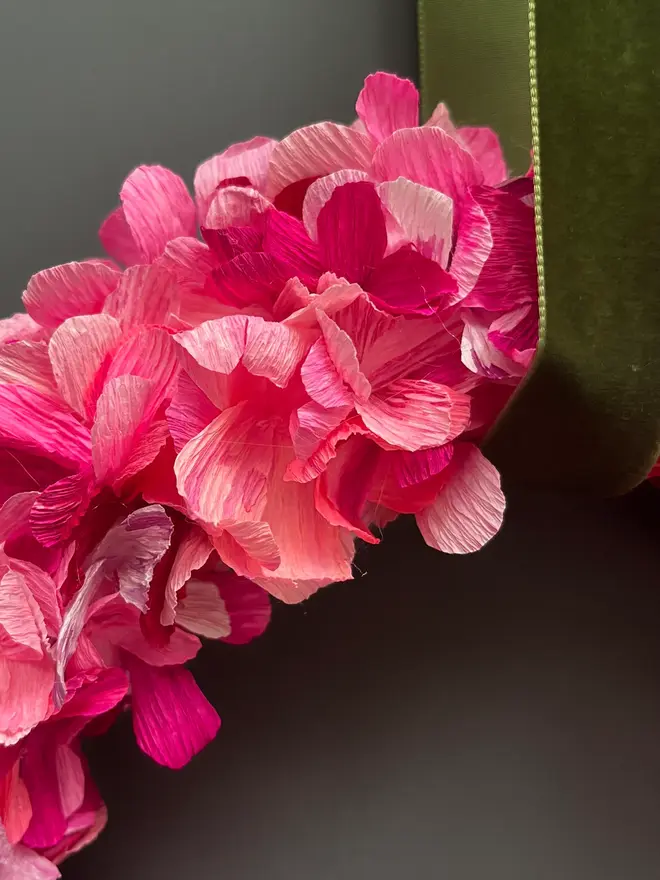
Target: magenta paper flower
[[200, 422]]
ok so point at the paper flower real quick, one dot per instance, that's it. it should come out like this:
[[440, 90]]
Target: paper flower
[[199, 422]]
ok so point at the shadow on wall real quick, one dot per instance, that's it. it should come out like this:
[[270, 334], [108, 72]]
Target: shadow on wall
[[488, 716]]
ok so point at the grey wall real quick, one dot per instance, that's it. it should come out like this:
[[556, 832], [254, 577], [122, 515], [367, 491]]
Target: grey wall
[[91, 88], [456, 718]]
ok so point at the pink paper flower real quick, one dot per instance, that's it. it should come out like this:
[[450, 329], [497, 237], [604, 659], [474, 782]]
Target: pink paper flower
[[200, 422]]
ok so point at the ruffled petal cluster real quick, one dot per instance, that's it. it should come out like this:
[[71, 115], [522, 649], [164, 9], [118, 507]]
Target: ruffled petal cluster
[[258, 376]]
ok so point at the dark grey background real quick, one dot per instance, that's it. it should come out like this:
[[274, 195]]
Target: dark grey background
[[494, 717]]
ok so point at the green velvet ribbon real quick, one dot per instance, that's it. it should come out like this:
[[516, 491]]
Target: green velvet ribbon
[[588, 415]]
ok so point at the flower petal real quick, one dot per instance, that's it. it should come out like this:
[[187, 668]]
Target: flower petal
[[484, 145], [145, 295], [62, 292], [189, 413], [469, 510], [235, 206], [21, 863], [424, 216], [78, 350], [431, 157], [247, 547], [58, 509], [26, 692], [172, 719], [22, 627], [474, 243], [414, 414], [508, 276], [157, 208], [202, 611], [124, 412], [148, 352], [248, 606], [386, 104], [320, 191], [32, 421], [15, 513], [312, 423], [117, 239], [15, 806], [313, 553], [351, 231], [248, 159], [317, 150], [27, 363], [343, 488], [20, 328], [408, 283], [190, 262], [286, 239], [223, 472], [192, 553]]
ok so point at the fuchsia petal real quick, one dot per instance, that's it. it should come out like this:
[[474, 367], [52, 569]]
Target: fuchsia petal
[[423, 215], [44, 590], [150, 353], [415, 414], [285, 239], [235, 206], [516, 334], [508, 277], [469, 510], [249, 159], [157, 208], [387, 103], [303, 471], [123, 414], [322, 380], [351, 231], [58, 508], [342, 490], [431, 157], [19, 328], [202, 611], [478, 352], [320, 191], [250, 280], [294, 296], [343, 355], [33, 421], [78, 350], [145, 295], [189, 413], [94, 693], [223, 472], [117, 239], [484, 145], [14, 514], [317, 150], [21, 863], [474, 243], [39, 770], [190, 262], [62, 292], [312, 424], [27, 363], [172, 719], [409, 482], [408, 283], [248, 606], [193, 552]]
